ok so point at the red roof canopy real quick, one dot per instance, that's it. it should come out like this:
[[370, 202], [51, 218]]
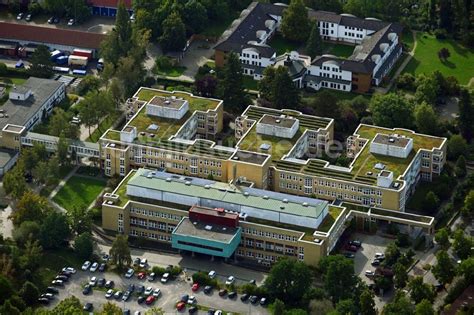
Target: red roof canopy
[[50, 35], [110, 3]]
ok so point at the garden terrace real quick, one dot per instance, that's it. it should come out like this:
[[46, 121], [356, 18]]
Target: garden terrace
[[328, 222], [317, 167], [287, 166], [205, 148], [278, 146], [306, 122], [112, 135]]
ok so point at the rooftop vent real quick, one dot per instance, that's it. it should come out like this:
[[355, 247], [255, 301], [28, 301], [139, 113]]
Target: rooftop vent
[[208, 227], [235, 158], [149, 176], [265, 197], [285, 200], [207, 186], [246, 194], [396, 185], [282, 207], [379, 166], [187, 183], [369, 173], [391, 140], [305, 204], [112, 145], [278, 121], [168, 180], [265, 146]]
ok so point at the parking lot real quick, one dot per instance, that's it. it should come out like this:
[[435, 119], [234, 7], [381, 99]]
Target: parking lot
[[171, 292]]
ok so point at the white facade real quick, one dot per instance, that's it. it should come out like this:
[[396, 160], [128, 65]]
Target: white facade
[[19, 94], [47, 107], [330, 76], [274, 129], [167, 111], [128, 134], [385, 179], [391, 148]]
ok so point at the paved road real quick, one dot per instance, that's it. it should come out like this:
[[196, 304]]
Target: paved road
[[170, 293]]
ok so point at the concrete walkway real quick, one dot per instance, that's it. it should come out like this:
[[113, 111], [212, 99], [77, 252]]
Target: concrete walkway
[[385, 90]]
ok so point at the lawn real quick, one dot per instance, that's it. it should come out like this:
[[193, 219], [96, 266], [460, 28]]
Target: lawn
[[105, 124], [250, 83], [339, 50], [17, 80], [330, 218], [171, 72], [79, 192], [340, 95], [460, 64], [282, 45]]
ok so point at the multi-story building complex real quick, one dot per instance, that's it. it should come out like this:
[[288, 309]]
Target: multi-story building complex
[[377, 48], [232, 220]]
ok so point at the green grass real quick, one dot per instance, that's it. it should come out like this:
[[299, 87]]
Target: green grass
[[216, 28], [195, 103], [250, 83], [339, 50], [330, 218], [79, 192], [340, 95], [171, 72], [105, 124], [282, 45], [13, 80], [460, 64]]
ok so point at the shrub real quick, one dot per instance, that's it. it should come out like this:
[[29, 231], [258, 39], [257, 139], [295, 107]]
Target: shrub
[[3, 69], [163, 63], [203, 279], [406, 82], [403, 240], [440, 33], [159, 271]]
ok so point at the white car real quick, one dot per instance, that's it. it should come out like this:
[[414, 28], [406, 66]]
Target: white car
[[379, 256], [129, 273], [86, 265], [369, 273], [94, 267], [109, 293], [192, 300], [93, 281], [57, 283], [165, 278], [143, 263], [157, 292], [230, 280], [218, 312], [212, 274], [148, 291], [69, 269]]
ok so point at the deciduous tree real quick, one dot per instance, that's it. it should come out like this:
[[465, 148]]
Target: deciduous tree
[[426, 119], [231, 85], [29, 293], [392, 110], [442, 238], [40, 63], [84, 245], [174, 33], [462, 245], [420, 291], [338, 276], [120, 252], [367, 304], [295, 22], [31, 207], [278, 88], [54, 231], [314, 46], [425, 307]]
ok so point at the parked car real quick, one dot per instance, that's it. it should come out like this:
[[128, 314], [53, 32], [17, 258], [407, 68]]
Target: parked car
[[141, 299], [207, 289], [230, 280], [28, 17], [126, 295], [141, 275], [375, 262], [369, 273], [165, 277], [102, 267], [69, 269], [71, 22], [52, 290], [356, 243], [49, 296], [131, 287], [195, 287], [151, 277], [109, 284], [244, 297], [349, 255], [87, 289], [20, 16], [93, 281], [352, 248], [156, 292], [109, 293], [232, 295], [180, 306], [150, 300], [101, 282], [136, 261], [129, 273], [62, 278], [380, 256], [94, 267], [57, 283], [140, 289], [148, 291], [253, 282], [192, 310], [192, 300], [105, 257], [222, 292], [254, 299], [212, 274], [88, 307], [43, 300], [184, 298], [143, 263], [263, 301], [118, 295], [86, 265]]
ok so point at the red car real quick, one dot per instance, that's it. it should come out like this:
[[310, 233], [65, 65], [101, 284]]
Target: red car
[[351, 248], [150, 300], [195, 287], [180, 306], [141, 275]]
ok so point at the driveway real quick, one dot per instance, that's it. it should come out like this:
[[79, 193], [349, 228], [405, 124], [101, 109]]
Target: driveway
[[170, 293], [197, 55], [371, 244]]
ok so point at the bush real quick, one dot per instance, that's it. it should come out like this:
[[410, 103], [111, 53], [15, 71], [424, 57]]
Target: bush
[[203, 279], [254, 290], [403, 240], [163, 63], [440, 33], [406, 82], [3, 69], [159, 271], [88, 83]]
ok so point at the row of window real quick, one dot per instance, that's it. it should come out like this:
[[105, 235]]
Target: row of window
[[350, 34], [154, 236], [156, 214], [267, 234]]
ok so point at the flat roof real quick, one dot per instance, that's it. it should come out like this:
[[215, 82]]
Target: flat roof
[[285, 122], [251, 197], [168, 102], [214, 212], [6, 155], [208, 231], [393, 140], [20, 112]]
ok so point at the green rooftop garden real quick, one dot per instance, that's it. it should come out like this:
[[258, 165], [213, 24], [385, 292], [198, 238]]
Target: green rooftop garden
[[328, 221], [121, 190], [279, 146], [112, 135], [195, 103]]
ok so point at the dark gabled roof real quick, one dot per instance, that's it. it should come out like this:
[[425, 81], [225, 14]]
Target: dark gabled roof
[[325, 16], [367, 23], [244, 29], [263, 50], [50, 35]]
